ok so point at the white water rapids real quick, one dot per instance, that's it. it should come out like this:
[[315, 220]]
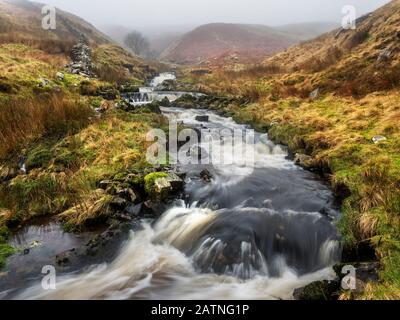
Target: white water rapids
[[251, 233]]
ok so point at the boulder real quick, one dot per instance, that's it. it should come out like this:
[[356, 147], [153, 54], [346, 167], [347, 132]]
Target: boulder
[[134, 210], [206, 176], [167, 85], [203, 118], [160, 185], [320, 290], [165, 102], [127, 194]]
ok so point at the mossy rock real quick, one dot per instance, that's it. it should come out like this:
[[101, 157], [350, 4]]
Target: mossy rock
[[320, 290]]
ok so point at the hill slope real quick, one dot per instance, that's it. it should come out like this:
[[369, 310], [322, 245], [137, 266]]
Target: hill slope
[[335, 101], [307, 31], [214, 40], [21, 21]]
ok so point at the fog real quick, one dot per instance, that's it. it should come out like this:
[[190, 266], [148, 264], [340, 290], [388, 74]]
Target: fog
[[142, 14]]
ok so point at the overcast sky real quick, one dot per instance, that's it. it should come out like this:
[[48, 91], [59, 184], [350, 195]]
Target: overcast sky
[[145, 13]]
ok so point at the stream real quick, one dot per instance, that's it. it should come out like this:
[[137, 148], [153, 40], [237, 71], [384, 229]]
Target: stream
[[249, 233]]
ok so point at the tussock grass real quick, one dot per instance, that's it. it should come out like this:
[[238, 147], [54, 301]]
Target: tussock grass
[[25, 120]]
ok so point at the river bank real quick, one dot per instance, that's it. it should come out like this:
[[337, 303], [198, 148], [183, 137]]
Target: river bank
[[295, 130]]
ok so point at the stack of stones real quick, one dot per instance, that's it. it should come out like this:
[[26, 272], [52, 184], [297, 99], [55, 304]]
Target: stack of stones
[[81, 56]]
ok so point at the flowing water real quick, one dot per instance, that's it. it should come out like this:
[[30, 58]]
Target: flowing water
[[254, 232]]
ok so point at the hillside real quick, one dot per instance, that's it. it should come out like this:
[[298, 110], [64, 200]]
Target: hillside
[[21, 21], [307, 31], [63, 124], [217, 39], [335, 101]]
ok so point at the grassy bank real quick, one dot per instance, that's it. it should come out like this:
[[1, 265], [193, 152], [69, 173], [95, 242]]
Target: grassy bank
[[50, 120], [337, 132]]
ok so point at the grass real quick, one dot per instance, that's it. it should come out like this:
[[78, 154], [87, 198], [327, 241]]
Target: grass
[[114, 64], [336, 129], [25, 120], [64, 174]]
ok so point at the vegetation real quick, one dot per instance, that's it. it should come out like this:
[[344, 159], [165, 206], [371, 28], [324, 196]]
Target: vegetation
[[329, 98], [48, 118]]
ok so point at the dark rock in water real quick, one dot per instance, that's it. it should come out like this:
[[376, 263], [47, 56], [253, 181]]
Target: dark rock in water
[[165, 102], [187, 101], [202, 118], [153, 208], [65, 257], [320, 290], [167, 85], [206, 175], [134, 210]]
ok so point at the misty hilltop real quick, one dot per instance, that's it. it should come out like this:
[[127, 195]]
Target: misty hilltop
[[244, 41]]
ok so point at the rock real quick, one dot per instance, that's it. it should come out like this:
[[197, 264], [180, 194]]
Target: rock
[[315, 94], [163, 185], [303, 160], [206, 175], [202, 118], [118, 203], [60, 76], [175, 181], [43, 82], [384, 55], [320, 290], [167, 85], [65, 257], [81, 56], [127, 194], [378, 139], [134, 210], [165, 102]]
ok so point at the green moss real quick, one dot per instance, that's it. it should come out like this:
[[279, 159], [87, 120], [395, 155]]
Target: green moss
[[5, 252], [151, 178]]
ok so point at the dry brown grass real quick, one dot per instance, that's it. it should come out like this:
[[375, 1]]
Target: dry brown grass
[[24, 120]]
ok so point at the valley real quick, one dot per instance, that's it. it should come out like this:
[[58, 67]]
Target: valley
[[318, 192]]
